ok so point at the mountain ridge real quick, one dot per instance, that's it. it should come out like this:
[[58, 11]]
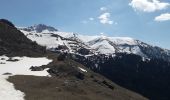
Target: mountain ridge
[[98, 44], [39, 28]]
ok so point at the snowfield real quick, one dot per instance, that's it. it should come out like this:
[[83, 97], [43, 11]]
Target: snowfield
[[21, 67], [97, 44], [18, 66], [103, 47]]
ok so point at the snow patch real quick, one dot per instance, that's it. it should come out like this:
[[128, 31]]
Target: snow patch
[[21, 67], [7, 90], [18, 66], [82, 69]]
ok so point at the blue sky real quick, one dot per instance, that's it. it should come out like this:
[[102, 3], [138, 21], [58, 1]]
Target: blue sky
[[146, 20]]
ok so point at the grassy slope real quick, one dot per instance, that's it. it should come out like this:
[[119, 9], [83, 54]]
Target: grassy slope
[[65, 86]]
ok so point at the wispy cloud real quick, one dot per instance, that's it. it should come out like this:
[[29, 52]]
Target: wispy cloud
[[105, 18], [163, 17], [148, 5]]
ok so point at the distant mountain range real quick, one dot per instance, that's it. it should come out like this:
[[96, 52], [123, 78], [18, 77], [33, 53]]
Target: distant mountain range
[[129, 62], [91, 45], [39, 28]]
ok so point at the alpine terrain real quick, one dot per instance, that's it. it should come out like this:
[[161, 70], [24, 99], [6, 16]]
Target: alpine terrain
[[129, 62], [40, 63]]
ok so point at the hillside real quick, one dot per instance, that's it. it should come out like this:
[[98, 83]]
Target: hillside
[[14, 42]]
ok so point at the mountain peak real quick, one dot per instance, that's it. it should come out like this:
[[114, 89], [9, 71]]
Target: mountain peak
[[40, 28]]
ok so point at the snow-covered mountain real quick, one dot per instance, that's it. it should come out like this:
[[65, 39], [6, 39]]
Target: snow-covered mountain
[[40, 28], [91, 45]]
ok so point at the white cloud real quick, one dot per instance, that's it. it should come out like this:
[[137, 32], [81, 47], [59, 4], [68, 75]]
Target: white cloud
[[163, 17], [103, 8], [148, 5], [105, 18]]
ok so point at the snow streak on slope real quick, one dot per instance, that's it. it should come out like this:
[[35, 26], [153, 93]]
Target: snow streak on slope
[[18, 66]]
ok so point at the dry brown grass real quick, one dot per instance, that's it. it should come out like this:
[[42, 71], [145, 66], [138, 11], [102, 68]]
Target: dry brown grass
[[45, 88], [66, 86]]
